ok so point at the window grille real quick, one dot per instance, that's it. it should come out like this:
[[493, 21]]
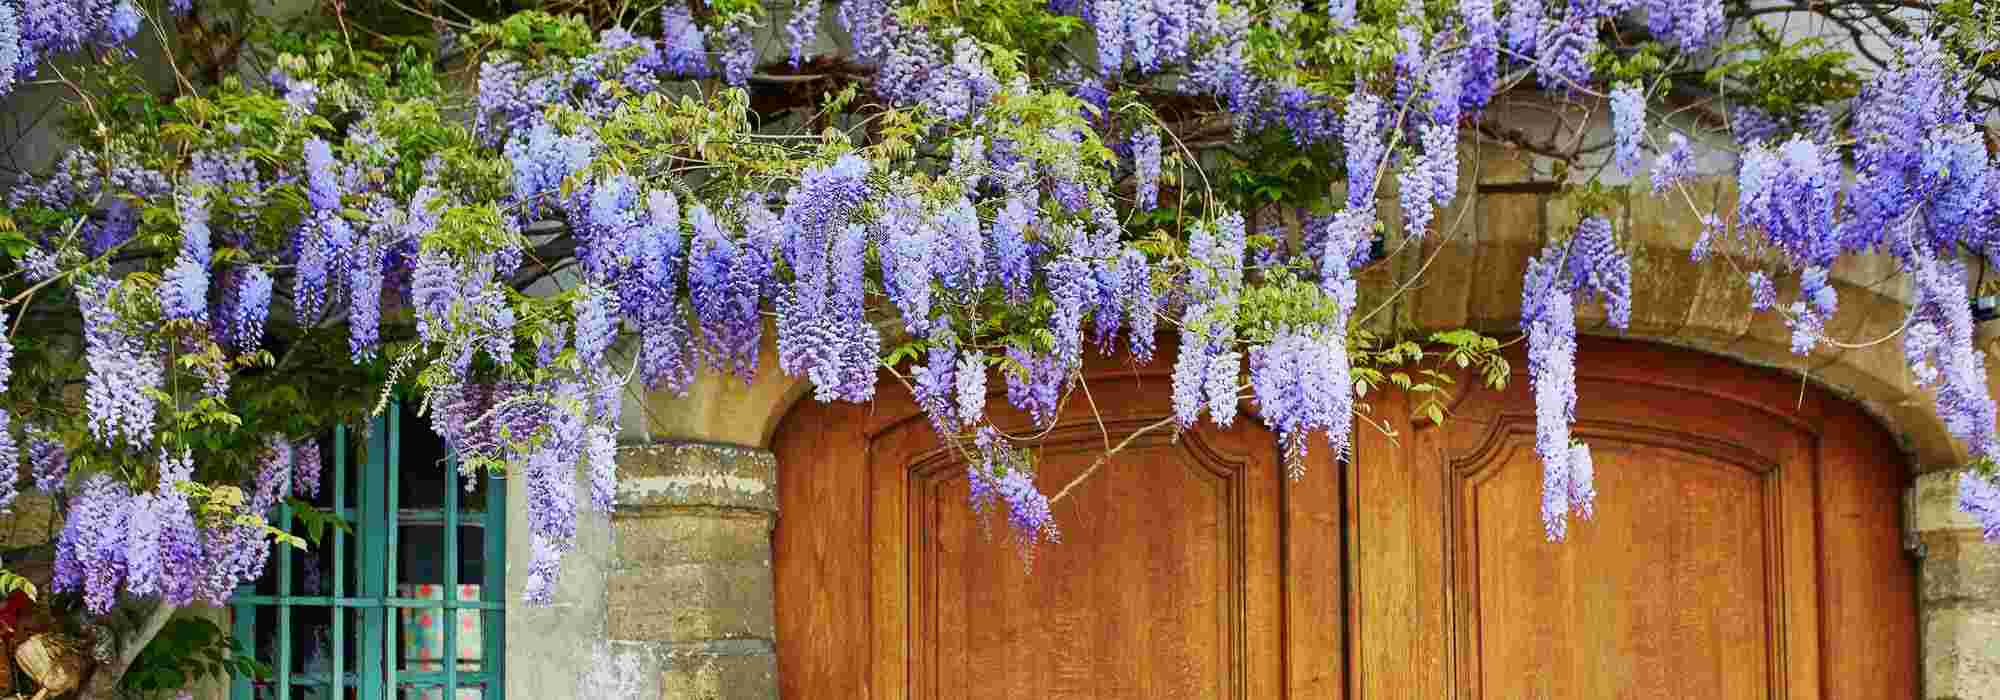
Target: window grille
[[376, 614]]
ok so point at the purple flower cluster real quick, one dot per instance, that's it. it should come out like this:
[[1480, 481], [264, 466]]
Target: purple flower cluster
[[726, 280], [1429, 181], [1898, 119], [1763, 294], [1523, 26], [1548, 316], [1675, 166], [1595, 268], [1979, 497], [48, 459], [1628, 123], [1301, 383], [686, 47], [1146, 164], [124, 370], [1691, 25], [1037, 390], [305, 467], [1205, 372], [1361, 136], [1002, 479], [1590, 265], [1789, 194], [1942, 356], [739, 53], [35, 31], [1562, 52], [802, 27], [1481, 66]]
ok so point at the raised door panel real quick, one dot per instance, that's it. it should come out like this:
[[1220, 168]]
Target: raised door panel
[[1145, 595], [1188, 565], [1666, 592]]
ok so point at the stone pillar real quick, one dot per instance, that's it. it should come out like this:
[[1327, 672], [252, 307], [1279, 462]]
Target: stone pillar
[[689, 595], [1959, 594]]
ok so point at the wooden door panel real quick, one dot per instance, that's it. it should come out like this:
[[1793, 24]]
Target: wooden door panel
[[1728, 499], [1144, 597], [1188, 566], [1662, 594]]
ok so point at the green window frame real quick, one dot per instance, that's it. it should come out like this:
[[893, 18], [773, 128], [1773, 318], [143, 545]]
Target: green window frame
[[364, 584]]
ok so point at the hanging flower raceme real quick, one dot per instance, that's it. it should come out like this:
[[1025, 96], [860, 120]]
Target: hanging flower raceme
[[1939, 348], [1628, 122], [1001, 481], [1301, 381], [1590, 264]]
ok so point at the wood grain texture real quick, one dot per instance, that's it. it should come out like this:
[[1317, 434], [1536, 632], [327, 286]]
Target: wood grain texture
[[1169, 581], [1703, 574]]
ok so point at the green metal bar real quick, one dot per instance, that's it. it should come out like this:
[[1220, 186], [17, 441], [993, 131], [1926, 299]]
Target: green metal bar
[[451, 578], [339, 563], [494, 589], [284, 660], [360, 602], [410, 516], [393, 530], [243, 625], [373, 537]]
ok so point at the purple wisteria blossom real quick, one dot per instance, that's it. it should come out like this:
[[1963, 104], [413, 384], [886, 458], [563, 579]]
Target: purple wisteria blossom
[[1628, 122]]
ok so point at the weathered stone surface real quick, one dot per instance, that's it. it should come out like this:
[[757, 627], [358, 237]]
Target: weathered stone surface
[[736, 669], [1961, 651], [1510, 233], [697, 474], [1961, 570], [1936, 505], [692, 602], [713, 677], [684, 538]]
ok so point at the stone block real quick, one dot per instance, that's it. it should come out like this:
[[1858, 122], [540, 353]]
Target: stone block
[[669, 539], [1936, 505], [1961, 653], [697, 474], [1510, 233], [1960, 570], [687, 602], [698, 676]]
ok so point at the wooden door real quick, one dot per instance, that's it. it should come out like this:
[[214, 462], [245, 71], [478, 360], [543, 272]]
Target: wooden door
[[1745, 545], [1187, 568]]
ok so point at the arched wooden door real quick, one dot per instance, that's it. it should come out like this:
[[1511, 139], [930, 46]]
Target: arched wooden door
[[1745, 546], [1187, 568]]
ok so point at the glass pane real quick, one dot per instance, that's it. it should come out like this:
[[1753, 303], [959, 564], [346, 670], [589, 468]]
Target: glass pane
[[311, 652], [438, 693], [421, 646], [424, 473], [420, 553]]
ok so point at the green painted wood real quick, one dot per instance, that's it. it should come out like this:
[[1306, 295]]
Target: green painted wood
[[339, 562], [243, 625], [494, 589], [283, 661], [392, 530], [451, 578], [372, 524]]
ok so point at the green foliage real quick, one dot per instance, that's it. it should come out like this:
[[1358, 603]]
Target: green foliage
[[185, 651], [1428, 375], [1783, 74]]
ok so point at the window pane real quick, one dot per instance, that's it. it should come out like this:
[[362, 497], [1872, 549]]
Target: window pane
[[421, 639], [420, 555], [438, 693], [424, 473]]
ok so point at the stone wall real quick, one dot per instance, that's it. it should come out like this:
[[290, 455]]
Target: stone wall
[[688, 591]]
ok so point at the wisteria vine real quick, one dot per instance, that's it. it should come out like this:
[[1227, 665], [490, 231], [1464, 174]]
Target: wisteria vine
[[612, 208]]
